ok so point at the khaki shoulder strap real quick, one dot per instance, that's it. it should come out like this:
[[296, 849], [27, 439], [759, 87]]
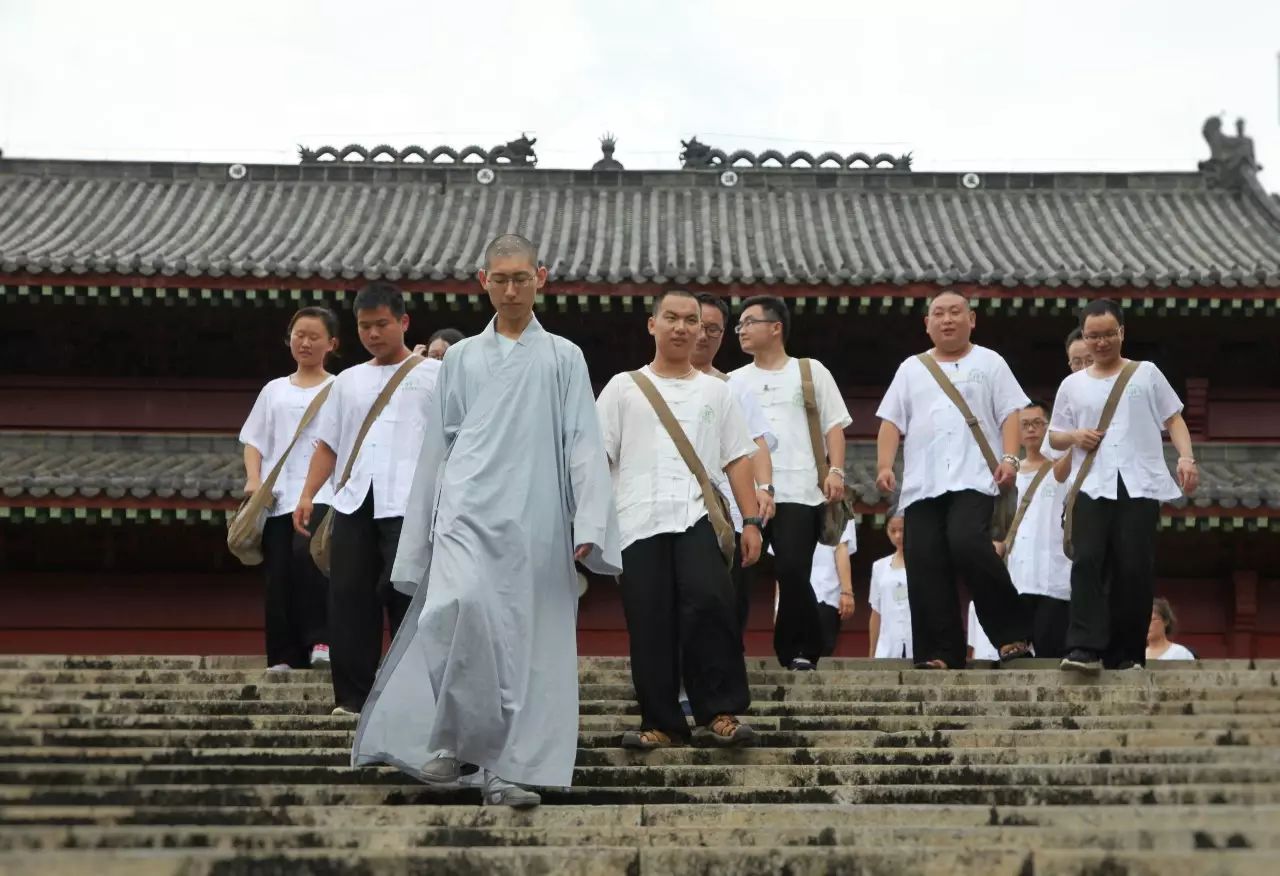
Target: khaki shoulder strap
[[307, 416], [1023, 505], [949, 389], [379, 404], [810, 397], [1108, 412]]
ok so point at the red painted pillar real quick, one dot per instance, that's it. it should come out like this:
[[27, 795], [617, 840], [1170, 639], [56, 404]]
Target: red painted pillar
[[1245, 615]]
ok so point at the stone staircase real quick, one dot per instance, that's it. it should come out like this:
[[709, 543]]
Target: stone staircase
[[186, 766]]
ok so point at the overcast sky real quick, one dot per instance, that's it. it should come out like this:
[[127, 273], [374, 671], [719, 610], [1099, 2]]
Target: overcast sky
[[978, 84]]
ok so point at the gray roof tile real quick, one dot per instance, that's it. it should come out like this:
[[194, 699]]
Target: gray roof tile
[[774, 227], [203, 468]]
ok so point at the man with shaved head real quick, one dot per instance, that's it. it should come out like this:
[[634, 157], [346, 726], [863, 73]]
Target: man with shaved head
[[948, 488], [512, 486]]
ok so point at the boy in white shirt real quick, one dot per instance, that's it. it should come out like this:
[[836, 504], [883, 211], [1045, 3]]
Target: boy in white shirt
[[676, 588], [889, 633], [369, 508], [832, 579], [948, 489], [773, 377], [1117, 510]]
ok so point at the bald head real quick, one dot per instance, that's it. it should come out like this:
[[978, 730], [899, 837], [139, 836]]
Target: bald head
[[511, 246]]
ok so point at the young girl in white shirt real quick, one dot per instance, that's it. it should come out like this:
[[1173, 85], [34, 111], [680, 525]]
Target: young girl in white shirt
[[296, 597], [1163, 625], [889, 634]]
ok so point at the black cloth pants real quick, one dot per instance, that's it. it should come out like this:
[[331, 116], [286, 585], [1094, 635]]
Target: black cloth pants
[[1049, 621], [946, 537], [297, 594], [360, 594], [1113, 576], [743, 582], [793, 533], [829, 618], [678, 599]]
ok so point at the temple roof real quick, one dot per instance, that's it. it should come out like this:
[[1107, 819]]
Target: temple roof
[[838, 226], [207, 471]]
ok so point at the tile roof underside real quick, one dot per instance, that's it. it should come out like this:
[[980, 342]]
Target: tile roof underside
[[1155, 230], [102, 467]]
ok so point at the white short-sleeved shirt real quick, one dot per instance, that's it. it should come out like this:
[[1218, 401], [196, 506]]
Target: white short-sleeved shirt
[[795, 471], [888, 598], [270, 427], [389, 454], [978, 641], [939, 452], [1177, 652], [757, 427], [823, 577], [1133, 447], [1037, 564], [652, 487]]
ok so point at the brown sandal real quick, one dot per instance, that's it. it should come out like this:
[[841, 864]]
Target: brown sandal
[[646, 740], [1015, 651], [726, 730], [932, 664]]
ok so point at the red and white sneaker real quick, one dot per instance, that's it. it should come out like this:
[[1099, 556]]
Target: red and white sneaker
[[319, 654]]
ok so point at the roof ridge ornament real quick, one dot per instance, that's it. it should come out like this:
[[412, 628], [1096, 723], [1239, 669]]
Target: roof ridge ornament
[[697, 155], [1231, 162], [514, 152], [608, 143]]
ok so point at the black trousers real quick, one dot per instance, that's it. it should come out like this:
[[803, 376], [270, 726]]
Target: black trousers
[[743, 582], [297, 594], [1113, 576], [679, 604], [829, 618], [360, 594], [947, 537], [1049, 621], [793, 533]]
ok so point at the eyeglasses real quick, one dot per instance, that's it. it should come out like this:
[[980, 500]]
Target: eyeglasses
[[712, 331], [501, 281], [748, 323], [1037, 423], [1102, 336]]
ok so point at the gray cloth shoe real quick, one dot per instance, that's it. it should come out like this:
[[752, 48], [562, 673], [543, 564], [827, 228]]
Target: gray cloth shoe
[[443, 769], [499, 792]]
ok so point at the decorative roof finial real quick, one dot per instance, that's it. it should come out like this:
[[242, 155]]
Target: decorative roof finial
[[1231, 159], [608, 143]]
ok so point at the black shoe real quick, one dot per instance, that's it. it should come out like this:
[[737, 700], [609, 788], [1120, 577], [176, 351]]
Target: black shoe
[[1080, 660]]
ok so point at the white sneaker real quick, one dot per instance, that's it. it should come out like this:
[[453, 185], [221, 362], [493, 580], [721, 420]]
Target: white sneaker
[[319, 654], [443, 769], [279, 667], [499, 792], [346, 713]]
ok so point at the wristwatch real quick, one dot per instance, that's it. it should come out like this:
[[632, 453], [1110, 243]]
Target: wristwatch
[[753, 521], [768, 488], [1011, 459]]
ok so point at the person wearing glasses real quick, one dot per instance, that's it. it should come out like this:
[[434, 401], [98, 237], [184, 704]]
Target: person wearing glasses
[[1117, 510], [1078, 355], [715, 319], [773, 377], [949, 490], [511, 487]]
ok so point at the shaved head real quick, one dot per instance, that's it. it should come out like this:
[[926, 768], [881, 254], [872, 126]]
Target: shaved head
[[506, 246]]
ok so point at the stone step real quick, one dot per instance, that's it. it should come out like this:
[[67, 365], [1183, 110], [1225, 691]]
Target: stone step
[[669, 861], [375, 790], [340, 755], [273, 839]]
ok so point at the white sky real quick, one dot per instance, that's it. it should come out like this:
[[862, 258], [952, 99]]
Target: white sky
[[963, 84]]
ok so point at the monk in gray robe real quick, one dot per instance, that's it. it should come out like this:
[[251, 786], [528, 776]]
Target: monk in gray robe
[[512, 486]]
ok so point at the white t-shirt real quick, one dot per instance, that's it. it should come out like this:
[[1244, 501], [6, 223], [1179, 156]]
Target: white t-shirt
[[652, 487], [978, 641], [1132, 448], [825, 579], [888, 598], [795, 471], [757, 427], [1177, 652], [1036, 563], [389, 454], [939, 452], [270, 427]]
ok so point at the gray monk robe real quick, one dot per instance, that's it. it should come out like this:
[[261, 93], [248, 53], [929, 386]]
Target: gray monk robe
[[512, 475]]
